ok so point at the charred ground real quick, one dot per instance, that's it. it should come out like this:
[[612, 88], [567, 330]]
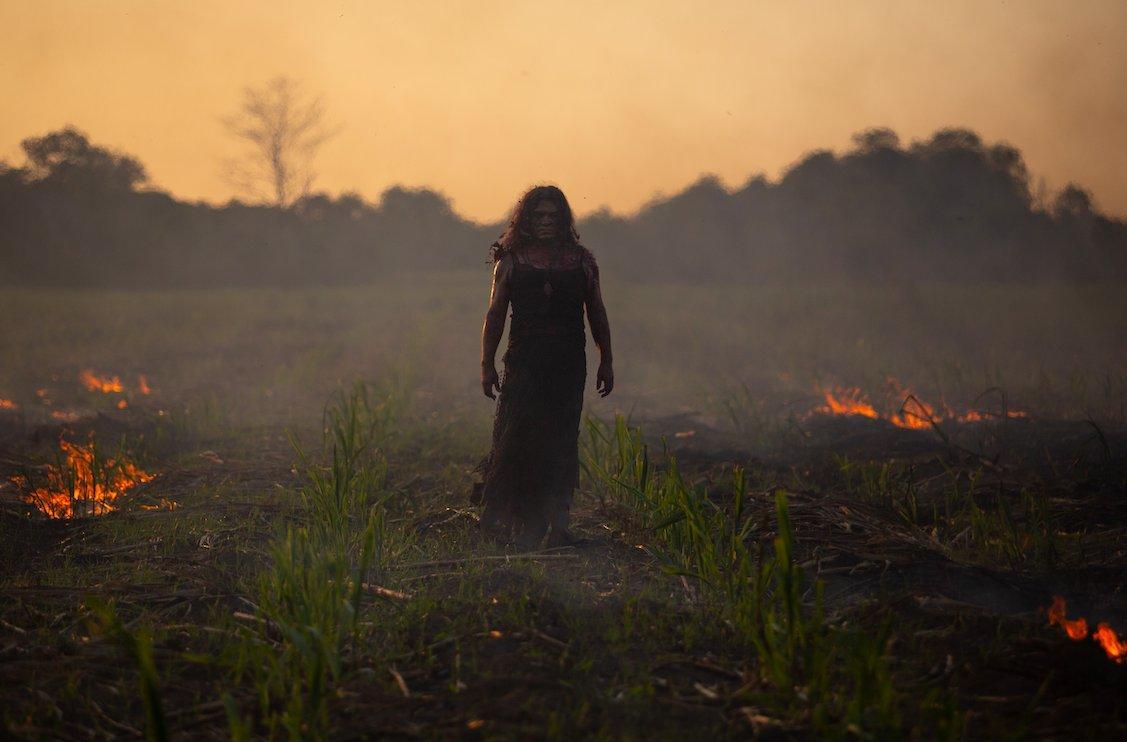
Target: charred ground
[[937, 549]]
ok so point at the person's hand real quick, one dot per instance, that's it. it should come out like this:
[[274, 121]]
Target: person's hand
[[490, 381], [604, 379]]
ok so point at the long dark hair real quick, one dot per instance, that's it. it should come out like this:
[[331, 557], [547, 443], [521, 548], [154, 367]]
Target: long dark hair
[[519, 232]]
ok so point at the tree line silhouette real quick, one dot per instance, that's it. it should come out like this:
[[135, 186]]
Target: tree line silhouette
[[949, 208]]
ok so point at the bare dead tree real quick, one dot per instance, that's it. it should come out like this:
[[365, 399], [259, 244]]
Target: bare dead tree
[[283, 128]]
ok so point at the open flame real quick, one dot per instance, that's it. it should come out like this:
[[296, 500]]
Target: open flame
[[903, 408], [914, 414], [1115, 647], [86, 484], [104, 384], [846, 402], [1077, 629], [124, 397], [95, 382]]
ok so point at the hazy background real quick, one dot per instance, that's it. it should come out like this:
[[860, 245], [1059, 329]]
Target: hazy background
[[615, 102], [850, 192]]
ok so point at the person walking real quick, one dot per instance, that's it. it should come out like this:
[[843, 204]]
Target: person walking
[[549, 279]]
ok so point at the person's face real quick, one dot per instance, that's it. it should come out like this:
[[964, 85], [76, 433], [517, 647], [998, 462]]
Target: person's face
[[546, 220]]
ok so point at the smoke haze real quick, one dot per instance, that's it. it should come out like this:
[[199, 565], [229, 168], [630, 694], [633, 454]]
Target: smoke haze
[[948, 208]]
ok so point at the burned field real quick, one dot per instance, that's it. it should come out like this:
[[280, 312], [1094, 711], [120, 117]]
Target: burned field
[[210, 530]]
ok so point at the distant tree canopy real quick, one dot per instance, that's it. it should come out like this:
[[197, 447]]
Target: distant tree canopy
[[950, 208], [67, 157], [947, 208]]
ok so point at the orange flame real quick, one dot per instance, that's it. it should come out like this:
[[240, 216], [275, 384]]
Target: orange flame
[[143, 385], [1115, 647], [122, 404], [909, 410], [974, 416], [1077, 629], [7, 404], [912, 412], [104, 384], [86, 484], [846, 402]]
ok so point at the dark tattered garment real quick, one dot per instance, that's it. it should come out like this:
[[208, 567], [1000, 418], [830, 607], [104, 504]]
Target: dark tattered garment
[[533, 467]]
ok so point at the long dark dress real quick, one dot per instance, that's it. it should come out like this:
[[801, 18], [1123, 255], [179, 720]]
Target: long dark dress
[[533, 467]]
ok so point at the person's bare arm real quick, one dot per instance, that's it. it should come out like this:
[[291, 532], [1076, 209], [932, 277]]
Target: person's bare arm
[[494, 325], [600, 326]]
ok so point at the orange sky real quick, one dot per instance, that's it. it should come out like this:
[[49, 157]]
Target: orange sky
[[614, 101]]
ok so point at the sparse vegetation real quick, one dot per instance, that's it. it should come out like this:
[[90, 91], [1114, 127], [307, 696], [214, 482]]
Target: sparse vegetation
[[301, 570], [304, 632]]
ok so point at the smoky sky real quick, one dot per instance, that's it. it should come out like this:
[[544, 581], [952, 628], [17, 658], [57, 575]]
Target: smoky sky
[[616, 103]]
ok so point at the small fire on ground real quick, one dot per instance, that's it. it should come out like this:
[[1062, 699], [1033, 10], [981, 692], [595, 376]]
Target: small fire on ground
[[96, 383], [86, 483], [106, 384], [123, 396], [1077, 629], [903, 408]]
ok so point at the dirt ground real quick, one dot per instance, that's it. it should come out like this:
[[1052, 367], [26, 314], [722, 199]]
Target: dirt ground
[[931, 556], [590, 639]]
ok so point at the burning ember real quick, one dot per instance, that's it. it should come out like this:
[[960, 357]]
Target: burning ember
[[143, 385], [7, 404], [1077, 629], [164, 504], [903, 408], [104, 384], [86, 484]]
